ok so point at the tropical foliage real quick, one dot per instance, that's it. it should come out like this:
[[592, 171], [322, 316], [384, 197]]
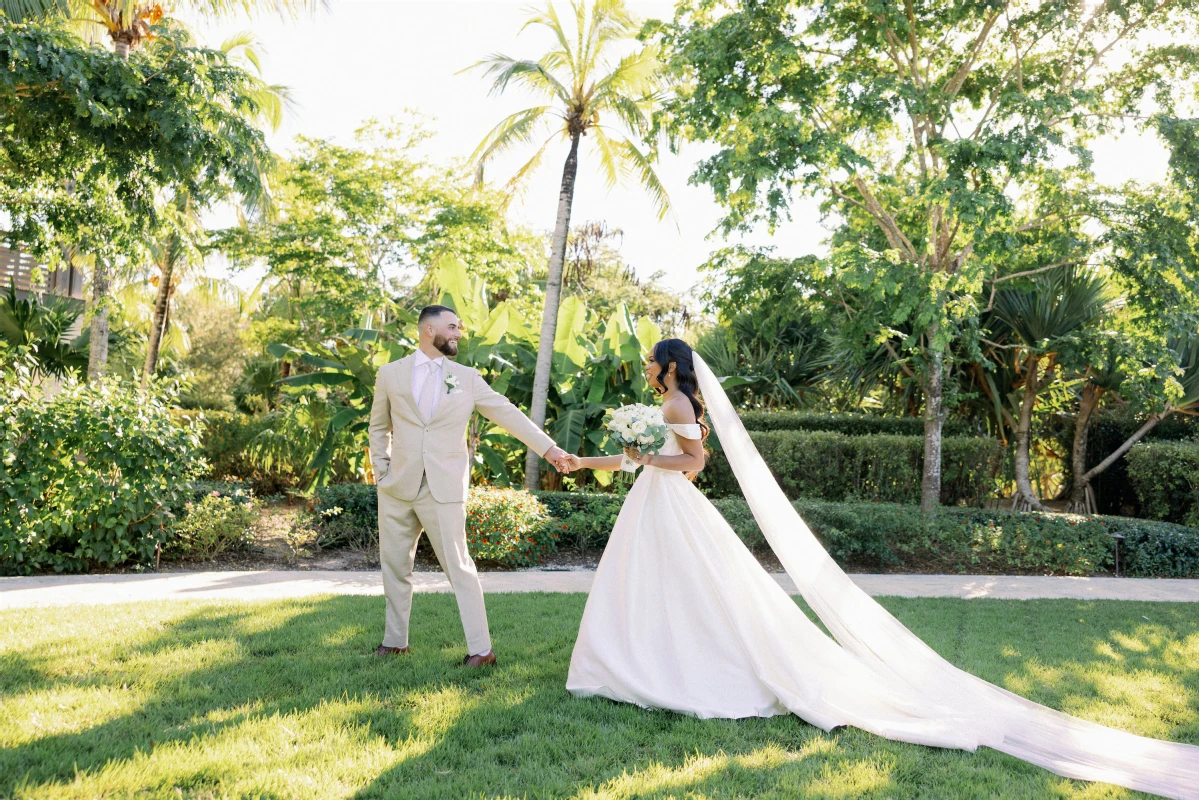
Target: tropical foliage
[[585, 95], [988, 321], [596, 367], [94, 139], [946, 137], [43, 327]]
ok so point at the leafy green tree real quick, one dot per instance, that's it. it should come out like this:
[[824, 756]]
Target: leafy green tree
[[93, 139], [1120, 369], [938, 123], [127, 24], [212, 316], [354, 222], [1152, 358], [583, 91]]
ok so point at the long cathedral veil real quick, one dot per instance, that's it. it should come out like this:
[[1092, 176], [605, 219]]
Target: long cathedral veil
[[1004, 721]]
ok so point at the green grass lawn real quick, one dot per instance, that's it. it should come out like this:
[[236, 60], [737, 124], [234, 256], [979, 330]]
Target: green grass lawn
[[281, 699]]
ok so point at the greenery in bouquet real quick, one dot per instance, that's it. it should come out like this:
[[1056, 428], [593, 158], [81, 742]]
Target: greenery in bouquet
[[638, 426]]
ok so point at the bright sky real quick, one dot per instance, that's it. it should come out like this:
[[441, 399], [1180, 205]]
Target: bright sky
[[374, 58]]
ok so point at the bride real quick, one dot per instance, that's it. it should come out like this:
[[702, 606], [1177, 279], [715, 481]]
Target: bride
[[682, 617]]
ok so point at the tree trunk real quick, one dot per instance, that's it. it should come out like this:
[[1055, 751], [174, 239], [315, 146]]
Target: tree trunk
[[97, 361], [934, 421], [1082, 498], [158, 325], [1149, 425], [549, 318], [1025, 499]]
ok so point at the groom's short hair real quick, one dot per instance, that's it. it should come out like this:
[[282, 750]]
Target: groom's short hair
[[428, 312]]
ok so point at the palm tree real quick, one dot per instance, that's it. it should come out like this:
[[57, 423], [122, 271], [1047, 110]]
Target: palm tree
[[584, 85], [176, 249], [171, 255], [1059, 304], [127, 24]]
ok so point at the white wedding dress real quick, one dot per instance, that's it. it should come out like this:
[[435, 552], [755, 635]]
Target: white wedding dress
[[682, 617]]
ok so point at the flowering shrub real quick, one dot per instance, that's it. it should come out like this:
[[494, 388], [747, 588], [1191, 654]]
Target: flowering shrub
[[218, 522], [509, 527]]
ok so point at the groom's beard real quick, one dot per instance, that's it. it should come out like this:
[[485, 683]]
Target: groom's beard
[[446, 346]]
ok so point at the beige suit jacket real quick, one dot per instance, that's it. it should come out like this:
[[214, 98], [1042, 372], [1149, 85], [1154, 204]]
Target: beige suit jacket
[[436, 448]]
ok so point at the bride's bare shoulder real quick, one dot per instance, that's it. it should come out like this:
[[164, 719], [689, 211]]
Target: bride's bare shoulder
[[678, 411]]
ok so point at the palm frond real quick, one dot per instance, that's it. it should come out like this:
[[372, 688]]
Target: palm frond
[[548, 18], [1059, 303], [270, 101], [1186, 349], [634, 76], [242, 45], [581, 65], [612, 159], [24, 10], [531, 74], [639, 164], [531, 165], [515, 129], [610, 22], [632, 114]]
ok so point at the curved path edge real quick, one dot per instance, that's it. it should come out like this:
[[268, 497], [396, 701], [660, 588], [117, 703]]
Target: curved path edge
[[63, 590]]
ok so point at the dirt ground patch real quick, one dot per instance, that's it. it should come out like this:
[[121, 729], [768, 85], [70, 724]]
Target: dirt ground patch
[[284, 543]]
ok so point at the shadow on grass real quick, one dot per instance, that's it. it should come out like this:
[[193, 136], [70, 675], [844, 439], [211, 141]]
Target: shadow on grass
[[220, 671]]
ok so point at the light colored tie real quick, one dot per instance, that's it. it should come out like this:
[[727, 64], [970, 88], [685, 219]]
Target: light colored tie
[[427, 392]]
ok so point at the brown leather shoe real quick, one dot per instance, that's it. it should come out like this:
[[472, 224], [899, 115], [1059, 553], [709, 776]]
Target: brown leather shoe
[[391, 651], [480, 661]]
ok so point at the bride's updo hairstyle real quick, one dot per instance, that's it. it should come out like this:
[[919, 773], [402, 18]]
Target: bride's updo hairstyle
[[679, 353]]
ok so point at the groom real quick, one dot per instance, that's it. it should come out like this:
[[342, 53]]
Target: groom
[[425, 402]]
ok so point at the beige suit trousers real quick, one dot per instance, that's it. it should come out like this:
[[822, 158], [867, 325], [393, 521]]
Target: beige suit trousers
[[400, 524]]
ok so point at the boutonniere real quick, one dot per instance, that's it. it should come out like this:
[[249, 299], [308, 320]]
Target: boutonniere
[[451, 385]]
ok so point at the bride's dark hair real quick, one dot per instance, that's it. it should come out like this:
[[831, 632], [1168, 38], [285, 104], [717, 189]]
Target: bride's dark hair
[[679, 353]]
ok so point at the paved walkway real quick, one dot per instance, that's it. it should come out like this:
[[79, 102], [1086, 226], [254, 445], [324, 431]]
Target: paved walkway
[[57, 590]]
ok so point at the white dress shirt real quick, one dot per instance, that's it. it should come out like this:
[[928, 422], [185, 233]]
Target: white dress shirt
[[419, 372]]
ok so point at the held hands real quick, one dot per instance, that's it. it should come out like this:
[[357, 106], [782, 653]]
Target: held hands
[[561, 460]]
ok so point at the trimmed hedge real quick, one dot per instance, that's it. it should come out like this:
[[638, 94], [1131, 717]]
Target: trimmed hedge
[[1165, 477], [879, 536], [848, 424], [877, 467], [887, 536]]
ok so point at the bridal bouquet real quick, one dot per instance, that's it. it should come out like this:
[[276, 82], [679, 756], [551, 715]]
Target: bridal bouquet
[[638, 426]]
